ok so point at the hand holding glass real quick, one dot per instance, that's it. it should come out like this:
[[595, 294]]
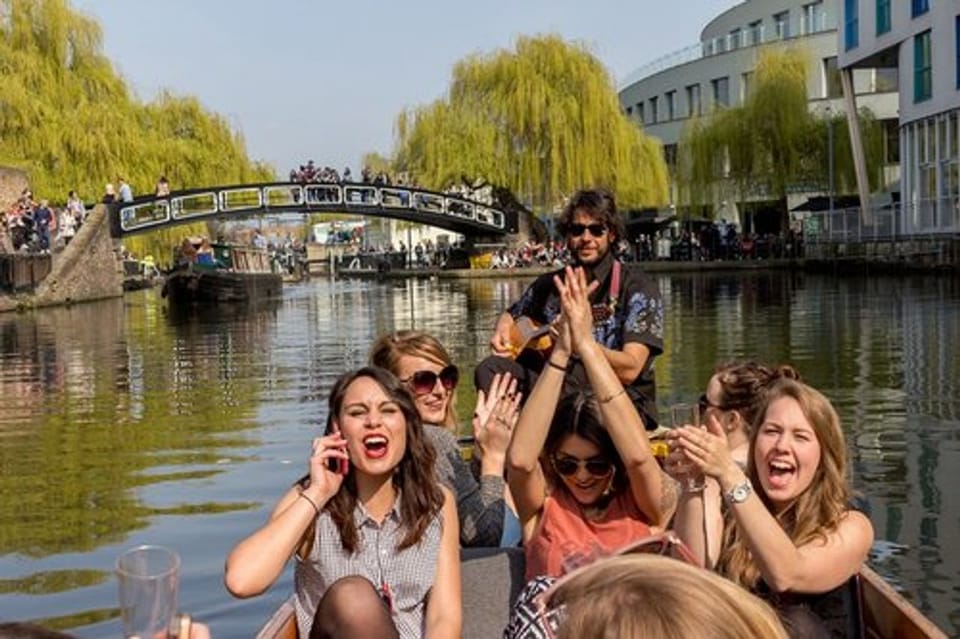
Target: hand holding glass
[[688, 415], [149, 577]]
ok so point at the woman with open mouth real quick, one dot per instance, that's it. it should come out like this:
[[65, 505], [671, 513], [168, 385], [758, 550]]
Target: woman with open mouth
[[580, 467], [787, 531], [374, 535]]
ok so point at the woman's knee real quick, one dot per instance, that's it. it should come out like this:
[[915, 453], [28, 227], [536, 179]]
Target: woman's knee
[[352, 607]]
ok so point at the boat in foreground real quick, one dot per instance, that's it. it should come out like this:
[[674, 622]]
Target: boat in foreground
[[233, 274], [492, 578]]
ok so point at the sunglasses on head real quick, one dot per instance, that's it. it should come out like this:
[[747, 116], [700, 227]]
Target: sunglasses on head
[[422, 382], [596, 230], [552, 612], [568, 466]]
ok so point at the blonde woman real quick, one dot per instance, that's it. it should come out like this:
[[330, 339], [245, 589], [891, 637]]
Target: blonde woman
[[788, 532], [655, 597], [426, 368]]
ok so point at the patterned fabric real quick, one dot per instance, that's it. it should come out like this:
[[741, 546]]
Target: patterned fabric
[[565, 540], [525, 623], [637, 317], [409, 574], [479, 506]]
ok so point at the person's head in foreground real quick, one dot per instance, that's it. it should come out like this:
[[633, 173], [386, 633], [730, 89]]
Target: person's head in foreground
[[655, 597], [426, 368], [579, 455]]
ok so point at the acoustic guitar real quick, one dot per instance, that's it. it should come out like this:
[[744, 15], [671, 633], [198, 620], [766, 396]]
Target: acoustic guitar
[[528, 334]]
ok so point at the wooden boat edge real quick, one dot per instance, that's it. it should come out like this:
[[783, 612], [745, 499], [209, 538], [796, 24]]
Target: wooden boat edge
[[887, 613]]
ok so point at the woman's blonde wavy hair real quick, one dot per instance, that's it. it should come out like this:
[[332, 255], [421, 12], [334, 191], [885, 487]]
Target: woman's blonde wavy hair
[[816, 511], [390, 347], [658, 597]]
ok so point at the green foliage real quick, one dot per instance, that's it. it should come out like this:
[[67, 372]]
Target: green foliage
[[68, 119], [771, 143], [542, 120]]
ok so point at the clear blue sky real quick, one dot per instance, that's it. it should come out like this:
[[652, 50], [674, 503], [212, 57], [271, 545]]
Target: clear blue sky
[[325, 80]]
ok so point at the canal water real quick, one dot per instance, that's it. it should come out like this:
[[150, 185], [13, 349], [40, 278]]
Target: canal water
[[121, 424]]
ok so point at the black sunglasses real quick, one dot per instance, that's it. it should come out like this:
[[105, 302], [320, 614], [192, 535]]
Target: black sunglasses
[[705, 403], [422, 382], [568, 466], [596, 230]]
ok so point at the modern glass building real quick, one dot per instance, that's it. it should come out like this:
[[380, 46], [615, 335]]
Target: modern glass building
[[919, 39], [717, 72]]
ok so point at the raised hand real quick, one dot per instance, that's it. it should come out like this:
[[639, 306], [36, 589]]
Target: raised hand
[[706, 448], [575, 300], [495, 415]]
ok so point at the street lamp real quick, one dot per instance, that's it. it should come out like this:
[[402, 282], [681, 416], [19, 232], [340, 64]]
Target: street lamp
[[830, 157]]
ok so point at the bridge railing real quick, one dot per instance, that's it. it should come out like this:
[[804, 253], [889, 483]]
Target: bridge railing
[[149, 212]]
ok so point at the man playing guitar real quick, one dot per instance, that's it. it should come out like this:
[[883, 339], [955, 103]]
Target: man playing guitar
[[627, 309]]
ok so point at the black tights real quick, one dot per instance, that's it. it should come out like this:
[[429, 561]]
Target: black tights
[[352, 608]]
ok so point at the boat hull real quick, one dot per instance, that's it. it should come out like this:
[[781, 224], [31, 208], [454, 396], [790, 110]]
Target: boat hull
[[196, 286]]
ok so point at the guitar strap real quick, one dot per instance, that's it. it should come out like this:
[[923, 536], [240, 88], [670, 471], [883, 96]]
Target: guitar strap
[[615, 283]]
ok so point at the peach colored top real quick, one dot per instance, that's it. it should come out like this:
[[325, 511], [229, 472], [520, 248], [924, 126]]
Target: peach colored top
[[565, 536]]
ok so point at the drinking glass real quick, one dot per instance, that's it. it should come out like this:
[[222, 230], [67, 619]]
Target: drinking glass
[[684, 414], [149, 577]]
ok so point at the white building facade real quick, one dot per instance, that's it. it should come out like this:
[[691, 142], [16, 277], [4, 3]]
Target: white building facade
[[717, 71], [920, 38]]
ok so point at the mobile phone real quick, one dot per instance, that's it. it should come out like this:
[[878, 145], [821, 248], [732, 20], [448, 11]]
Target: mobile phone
[[335, 464]]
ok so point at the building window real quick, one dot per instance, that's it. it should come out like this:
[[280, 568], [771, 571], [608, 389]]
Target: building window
[[629, 112], [736, 39], [746, 85], [891, 141], [719, 44], [781, 25], [883, 17], [694, 106], [721, 91], [670, 155], [755, 31], [919, 7], [922, 68], [833, 88], [813, 18], [640, 113], [887, 80], [654, 110], [851, 24], [671, 105]]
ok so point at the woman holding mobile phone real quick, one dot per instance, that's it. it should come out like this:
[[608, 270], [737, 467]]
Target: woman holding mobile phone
[[376, 548]]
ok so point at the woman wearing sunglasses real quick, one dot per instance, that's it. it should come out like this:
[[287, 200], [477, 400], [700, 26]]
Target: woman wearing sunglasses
[[580, 467], [425, 367], [735, 395], [374, 535]]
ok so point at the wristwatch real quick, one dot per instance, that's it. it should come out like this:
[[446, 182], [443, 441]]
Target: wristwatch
[[740, 492]]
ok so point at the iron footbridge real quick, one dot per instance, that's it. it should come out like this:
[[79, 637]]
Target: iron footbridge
[[447, 211]]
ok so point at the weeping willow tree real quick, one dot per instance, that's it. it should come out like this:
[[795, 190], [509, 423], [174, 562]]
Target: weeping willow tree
[[68, 119], [542, 120], [771, 144]]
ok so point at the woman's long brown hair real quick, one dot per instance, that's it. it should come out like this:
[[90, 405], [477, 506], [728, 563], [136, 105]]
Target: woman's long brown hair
[[420, 495], [816, 511]]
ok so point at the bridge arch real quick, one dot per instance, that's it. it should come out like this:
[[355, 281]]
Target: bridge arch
[[455, 213]]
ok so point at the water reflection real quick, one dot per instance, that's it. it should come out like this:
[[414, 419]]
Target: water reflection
[[122, 423]]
